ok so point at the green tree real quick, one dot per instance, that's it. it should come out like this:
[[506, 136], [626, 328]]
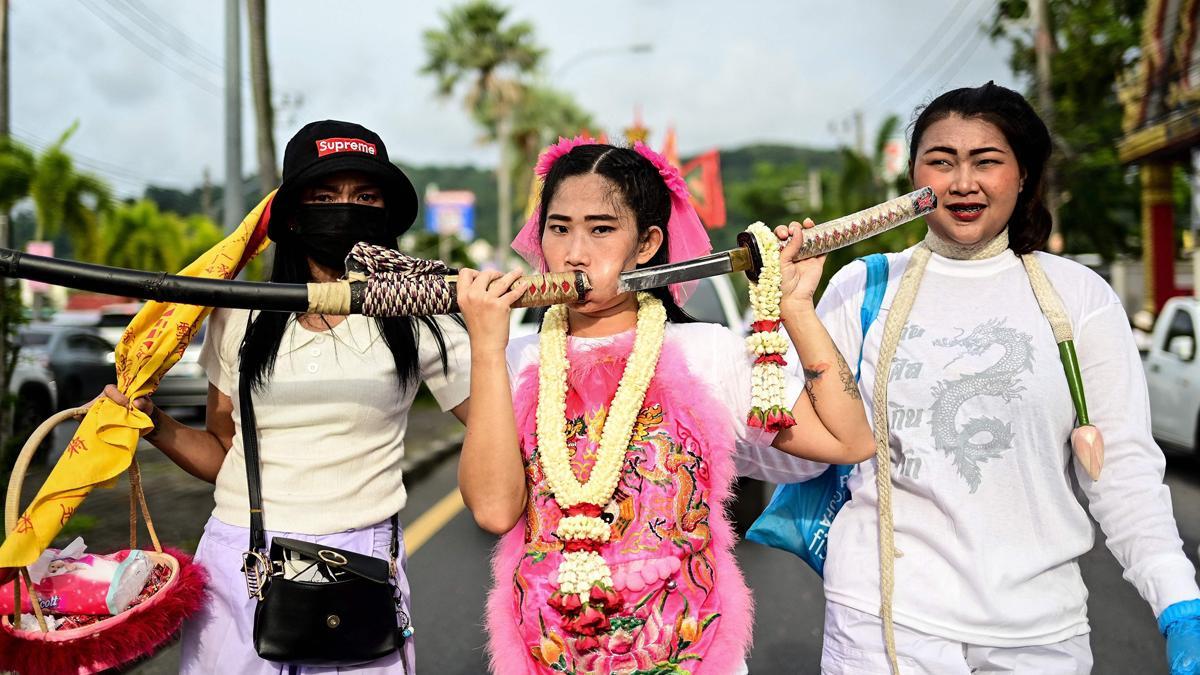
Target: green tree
[[856, 183], [541, 116], [480, 51], [17, 164], [1094, 40], [139, 236], [67, 199]]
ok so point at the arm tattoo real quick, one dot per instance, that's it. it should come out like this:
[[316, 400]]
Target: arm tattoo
[[811, 375], [848, 382]]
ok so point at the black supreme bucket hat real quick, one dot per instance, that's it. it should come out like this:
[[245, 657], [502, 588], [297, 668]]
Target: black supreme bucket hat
[[329, 146]]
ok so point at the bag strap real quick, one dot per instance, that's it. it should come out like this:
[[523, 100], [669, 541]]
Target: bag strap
[[258, 538], [877, 278]]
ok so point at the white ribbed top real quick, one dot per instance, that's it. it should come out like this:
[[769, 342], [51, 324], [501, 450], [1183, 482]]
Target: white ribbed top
[[331, 422]]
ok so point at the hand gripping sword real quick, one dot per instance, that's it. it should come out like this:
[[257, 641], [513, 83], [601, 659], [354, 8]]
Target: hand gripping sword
[[385, 282], [818, 240]]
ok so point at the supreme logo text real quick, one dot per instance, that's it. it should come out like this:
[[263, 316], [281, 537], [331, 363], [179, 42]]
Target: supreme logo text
[[328, 146]]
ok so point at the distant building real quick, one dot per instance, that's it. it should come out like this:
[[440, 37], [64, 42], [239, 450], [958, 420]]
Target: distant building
[[1161, 97]]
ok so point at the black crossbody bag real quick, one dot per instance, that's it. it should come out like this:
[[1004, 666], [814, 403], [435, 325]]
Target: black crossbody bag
[[317, 605]]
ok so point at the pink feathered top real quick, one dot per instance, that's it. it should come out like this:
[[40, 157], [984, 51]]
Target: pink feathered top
[[683, 602]]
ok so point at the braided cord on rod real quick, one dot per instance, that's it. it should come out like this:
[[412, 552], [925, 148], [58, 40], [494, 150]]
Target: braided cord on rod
[[901, 307], [397, 294], [401, 285]]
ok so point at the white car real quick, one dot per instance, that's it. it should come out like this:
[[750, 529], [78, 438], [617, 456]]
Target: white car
[[1173, 374]]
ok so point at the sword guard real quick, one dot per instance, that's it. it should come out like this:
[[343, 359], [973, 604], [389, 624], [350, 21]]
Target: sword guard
[[748, 242]]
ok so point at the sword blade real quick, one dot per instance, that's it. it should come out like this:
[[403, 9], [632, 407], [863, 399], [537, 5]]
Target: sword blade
[[818, 240], [697, 268]]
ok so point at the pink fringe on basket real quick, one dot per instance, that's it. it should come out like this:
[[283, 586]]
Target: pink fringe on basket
[[130, 636]]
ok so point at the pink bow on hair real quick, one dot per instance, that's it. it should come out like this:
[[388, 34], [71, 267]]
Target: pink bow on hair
[[686, 236]]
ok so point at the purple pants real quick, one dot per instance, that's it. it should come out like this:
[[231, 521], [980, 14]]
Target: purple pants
[[218, 639]]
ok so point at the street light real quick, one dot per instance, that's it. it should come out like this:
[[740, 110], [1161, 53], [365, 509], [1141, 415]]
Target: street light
[[637, 48]]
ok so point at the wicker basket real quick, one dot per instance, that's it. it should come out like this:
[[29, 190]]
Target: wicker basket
[[140, 630]]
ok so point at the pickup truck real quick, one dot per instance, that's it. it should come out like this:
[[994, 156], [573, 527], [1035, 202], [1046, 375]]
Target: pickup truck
[[1173, 375]]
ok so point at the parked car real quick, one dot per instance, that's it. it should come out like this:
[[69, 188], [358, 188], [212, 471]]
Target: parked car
[[713, 301], [33, 385], [184, 385], [80, 360], [114, 319], [58, 367], [1173, 374]]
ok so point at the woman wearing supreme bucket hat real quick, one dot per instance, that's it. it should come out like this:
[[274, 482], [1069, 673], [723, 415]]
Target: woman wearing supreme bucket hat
[[330, 400]]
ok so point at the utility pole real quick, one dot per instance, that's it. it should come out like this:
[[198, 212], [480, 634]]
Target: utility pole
[[504, 188], [1043, 47], [859, 142], [8, 308], [260, 81], [206, 195], [4, 112], [234, 206]]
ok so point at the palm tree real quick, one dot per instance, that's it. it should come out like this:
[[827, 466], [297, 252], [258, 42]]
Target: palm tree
[[17, 164], [478, 49], [67, 199], [139, 236], [542, 115]]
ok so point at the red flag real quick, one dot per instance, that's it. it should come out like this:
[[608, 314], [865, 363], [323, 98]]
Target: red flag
[[670, 149], [703, 176]]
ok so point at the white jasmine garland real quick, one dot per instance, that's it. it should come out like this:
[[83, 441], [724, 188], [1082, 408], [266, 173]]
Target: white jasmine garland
[[622, 414], [583, 527], [766, 343], [581, 570]]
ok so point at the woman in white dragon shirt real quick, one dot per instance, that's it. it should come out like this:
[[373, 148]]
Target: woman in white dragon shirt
[[983, 531]]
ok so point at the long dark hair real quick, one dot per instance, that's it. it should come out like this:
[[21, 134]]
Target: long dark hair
[[641, 189], [265, 332], [1008, 111]]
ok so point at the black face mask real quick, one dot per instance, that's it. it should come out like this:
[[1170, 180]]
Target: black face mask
[[327, 232]]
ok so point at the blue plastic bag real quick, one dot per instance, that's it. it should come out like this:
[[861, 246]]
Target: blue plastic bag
[[799, 515]]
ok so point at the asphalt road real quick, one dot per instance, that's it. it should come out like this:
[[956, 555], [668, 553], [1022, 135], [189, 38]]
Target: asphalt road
[[449, 575]]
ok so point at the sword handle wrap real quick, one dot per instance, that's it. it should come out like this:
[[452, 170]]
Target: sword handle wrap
[[554, 288], [835, 234]]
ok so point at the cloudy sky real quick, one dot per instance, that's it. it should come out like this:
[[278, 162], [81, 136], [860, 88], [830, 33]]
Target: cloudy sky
[[722, 72]]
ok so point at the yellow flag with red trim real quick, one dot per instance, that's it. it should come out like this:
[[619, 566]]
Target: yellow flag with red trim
[[103, 446]]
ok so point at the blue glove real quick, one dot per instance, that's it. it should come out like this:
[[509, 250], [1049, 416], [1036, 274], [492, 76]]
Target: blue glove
[[1180, 623]]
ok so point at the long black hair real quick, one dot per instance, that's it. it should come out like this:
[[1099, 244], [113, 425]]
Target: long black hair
[[265, 332], [640, 187], [1008, 111]]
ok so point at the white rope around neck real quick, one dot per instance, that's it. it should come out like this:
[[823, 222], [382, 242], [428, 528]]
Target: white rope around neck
[[1052, 308]]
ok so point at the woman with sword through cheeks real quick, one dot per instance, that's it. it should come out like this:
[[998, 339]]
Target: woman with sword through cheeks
[[603, 449]]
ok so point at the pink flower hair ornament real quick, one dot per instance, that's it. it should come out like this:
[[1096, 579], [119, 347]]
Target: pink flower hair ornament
[[686, 236]]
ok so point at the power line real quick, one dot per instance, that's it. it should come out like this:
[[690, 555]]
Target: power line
[[114, 172], [918, 56], [953, 49], [958, 64], [177, 39], [140, 43]]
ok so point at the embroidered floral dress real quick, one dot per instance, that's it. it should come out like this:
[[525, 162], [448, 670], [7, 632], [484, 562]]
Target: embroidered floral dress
[[682, 605]]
